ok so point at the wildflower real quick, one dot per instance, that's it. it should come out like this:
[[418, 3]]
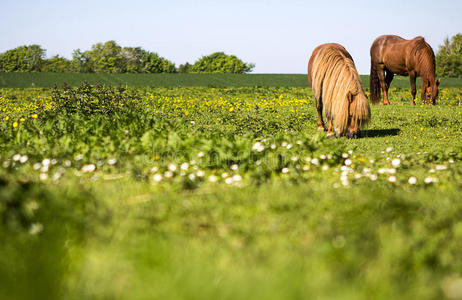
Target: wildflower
[[17, 157], [35, 228], [322, 156], [234, 167], [78, 157], [430, 179], [184, 166], [192, 176], [88, 168], [412, 180], [112, 161], [315, 161], [396, 162], [37, 166], [213, 178], [67, 163], [200, 173], [168, 174], [157, 177], [228, 180], [34, 116], [200, 154], [6, 118], [389, 149], [237, 178], [46, 162], [345, 155], [348, 162], [23, 159], [273, 146], [259, 147], [22, 120], [440, 167], [15, 124], [43, 176], [172, 167], [325, 167], [392, 178], [285, 170]]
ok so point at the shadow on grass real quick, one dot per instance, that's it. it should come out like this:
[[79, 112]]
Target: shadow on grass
[[380, 132]]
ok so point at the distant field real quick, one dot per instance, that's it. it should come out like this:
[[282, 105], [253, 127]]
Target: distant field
[[22, 80]]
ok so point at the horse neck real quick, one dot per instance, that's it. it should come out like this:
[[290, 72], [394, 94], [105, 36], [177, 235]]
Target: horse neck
[[425, 64]]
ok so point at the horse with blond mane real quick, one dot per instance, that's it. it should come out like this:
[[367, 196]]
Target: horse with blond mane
[[391, 54], [337, 88]]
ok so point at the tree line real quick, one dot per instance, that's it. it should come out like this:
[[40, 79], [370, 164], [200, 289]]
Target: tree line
[[109, 57]]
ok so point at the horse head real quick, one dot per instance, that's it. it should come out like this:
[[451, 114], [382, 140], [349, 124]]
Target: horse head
[[431, 90], [359, 113]]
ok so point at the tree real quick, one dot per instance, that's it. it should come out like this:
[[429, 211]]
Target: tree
[[184, 68], [132, 59], [56, 64], [219, 62], [449, 57], [152, 63], [22, 59]]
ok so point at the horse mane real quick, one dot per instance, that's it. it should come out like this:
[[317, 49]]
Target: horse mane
[[425, 57], [335, 78]]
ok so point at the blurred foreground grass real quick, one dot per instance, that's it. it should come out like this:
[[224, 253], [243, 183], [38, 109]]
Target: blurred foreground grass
[[206, 193]]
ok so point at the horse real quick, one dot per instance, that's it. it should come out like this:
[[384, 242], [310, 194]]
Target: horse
[[337, 87], [391, 54]]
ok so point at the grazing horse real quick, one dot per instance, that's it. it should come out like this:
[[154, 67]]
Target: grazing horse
[[391, 54], [336, 85]]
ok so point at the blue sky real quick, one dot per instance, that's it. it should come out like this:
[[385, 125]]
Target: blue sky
[[278, 36]]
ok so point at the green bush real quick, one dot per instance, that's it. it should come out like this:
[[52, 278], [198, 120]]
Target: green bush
[[219, 62]]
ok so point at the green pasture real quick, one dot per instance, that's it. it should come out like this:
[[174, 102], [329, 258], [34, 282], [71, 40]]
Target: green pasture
[[30, 79], [210, 192]]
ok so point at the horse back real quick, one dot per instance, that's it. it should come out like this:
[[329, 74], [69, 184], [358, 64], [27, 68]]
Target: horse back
[[395, 53], [316, 50]]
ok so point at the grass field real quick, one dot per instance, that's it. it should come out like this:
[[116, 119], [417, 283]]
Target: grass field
[[226, 193], [27, 80]]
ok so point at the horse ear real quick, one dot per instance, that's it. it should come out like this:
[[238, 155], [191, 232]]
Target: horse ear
[[438, 82]]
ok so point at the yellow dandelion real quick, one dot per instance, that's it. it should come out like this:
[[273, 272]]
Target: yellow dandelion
[[15, 124], [6, 118], [22, 120], [34, 116], [231, 109]]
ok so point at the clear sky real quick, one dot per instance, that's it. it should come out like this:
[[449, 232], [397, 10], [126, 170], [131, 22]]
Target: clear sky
[[278, 36]]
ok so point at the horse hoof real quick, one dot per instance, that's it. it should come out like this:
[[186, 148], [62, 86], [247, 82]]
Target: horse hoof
[[330, 134], [321, 128]]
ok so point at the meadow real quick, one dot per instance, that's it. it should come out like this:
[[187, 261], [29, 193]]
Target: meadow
[[230, 192], [48, 80]]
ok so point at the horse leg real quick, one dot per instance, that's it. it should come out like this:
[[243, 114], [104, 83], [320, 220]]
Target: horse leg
[[388, 78], [319, 109], [412, 78], [329, 127], [381, 74]]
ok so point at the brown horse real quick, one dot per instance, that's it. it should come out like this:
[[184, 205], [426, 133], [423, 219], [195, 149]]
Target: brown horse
[[336, 85], [391, 54]]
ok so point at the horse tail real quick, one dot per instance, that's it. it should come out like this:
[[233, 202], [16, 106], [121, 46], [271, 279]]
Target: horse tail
[[374, 85]]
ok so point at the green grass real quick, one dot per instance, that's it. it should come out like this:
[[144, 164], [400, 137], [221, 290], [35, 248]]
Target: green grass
[[266, 207], [27, 80]]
